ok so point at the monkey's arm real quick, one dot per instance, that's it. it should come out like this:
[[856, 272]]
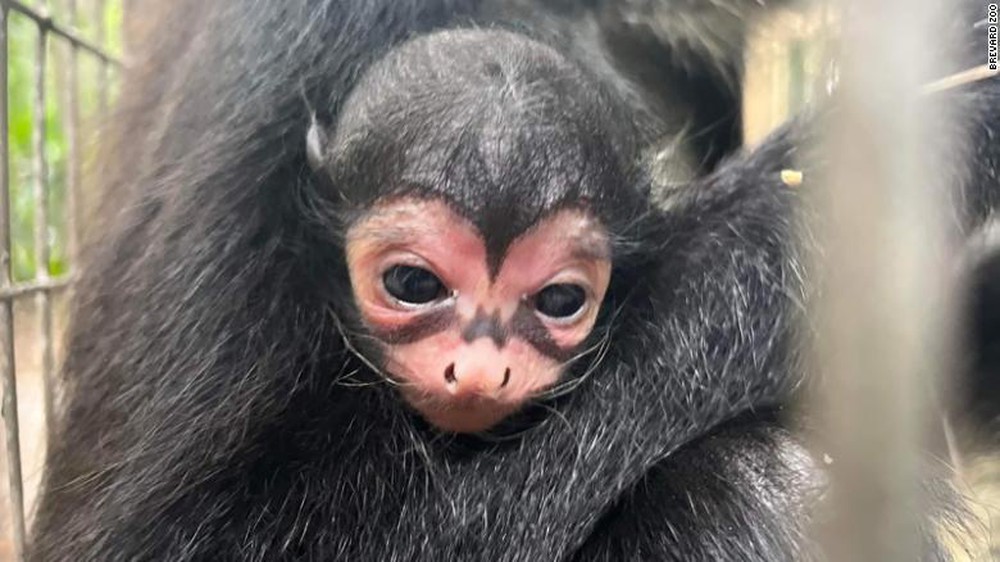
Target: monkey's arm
[[747, 492], [750, 492]]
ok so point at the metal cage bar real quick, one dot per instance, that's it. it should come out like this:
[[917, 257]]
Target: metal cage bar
[[72, 128], [67, 33], [39, 131]]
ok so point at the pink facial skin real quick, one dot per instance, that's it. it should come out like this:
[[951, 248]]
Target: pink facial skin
[[456, 384]]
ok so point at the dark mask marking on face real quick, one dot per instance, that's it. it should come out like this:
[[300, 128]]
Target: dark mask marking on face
[[426, 325], [485, 325], [526, 325]]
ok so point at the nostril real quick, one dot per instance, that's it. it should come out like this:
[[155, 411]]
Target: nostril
[[506, 378], [449, 374]]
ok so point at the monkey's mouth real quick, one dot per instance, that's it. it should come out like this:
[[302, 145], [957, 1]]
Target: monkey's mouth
[[464, 414]]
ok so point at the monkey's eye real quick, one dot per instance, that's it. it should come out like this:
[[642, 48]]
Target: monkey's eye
[[560, 300], [413, 285]]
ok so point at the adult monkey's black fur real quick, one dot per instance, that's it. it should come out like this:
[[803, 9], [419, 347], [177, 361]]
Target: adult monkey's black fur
[[209, 408]]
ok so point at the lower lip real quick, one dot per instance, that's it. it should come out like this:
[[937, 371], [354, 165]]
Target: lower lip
[[469, 415]]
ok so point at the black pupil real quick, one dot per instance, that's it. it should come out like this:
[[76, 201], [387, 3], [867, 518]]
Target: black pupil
[[561, 300], [412, 285]]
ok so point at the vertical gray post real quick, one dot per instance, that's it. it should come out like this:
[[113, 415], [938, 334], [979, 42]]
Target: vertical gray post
[[883, 315]]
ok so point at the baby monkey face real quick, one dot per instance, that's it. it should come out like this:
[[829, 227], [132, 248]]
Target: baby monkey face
[[468, 344]]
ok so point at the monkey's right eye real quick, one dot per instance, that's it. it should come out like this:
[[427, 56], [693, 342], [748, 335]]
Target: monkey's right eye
[[413, 285], [561, 300]]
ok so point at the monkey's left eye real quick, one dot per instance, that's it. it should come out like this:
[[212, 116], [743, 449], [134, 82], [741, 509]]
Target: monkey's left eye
[[560, 300], [413, 285]]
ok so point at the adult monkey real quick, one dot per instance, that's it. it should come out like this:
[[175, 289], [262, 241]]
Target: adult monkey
[[220, 397]]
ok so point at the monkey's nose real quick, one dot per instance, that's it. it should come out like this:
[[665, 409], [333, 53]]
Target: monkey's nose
[[474, 379]]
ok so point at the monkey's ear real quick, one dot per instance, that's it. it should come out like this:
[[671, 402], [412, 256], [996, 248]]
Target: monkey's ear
[[316, 144]]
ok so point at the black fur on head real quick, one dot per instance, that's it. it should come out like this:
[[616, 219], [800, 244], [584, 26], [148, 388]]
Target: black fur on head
[[502, 127]]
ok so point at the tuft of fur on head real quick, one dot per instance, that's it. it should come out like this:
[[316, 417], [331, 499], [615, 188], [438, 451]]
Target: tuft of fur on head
[[500, 125]]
